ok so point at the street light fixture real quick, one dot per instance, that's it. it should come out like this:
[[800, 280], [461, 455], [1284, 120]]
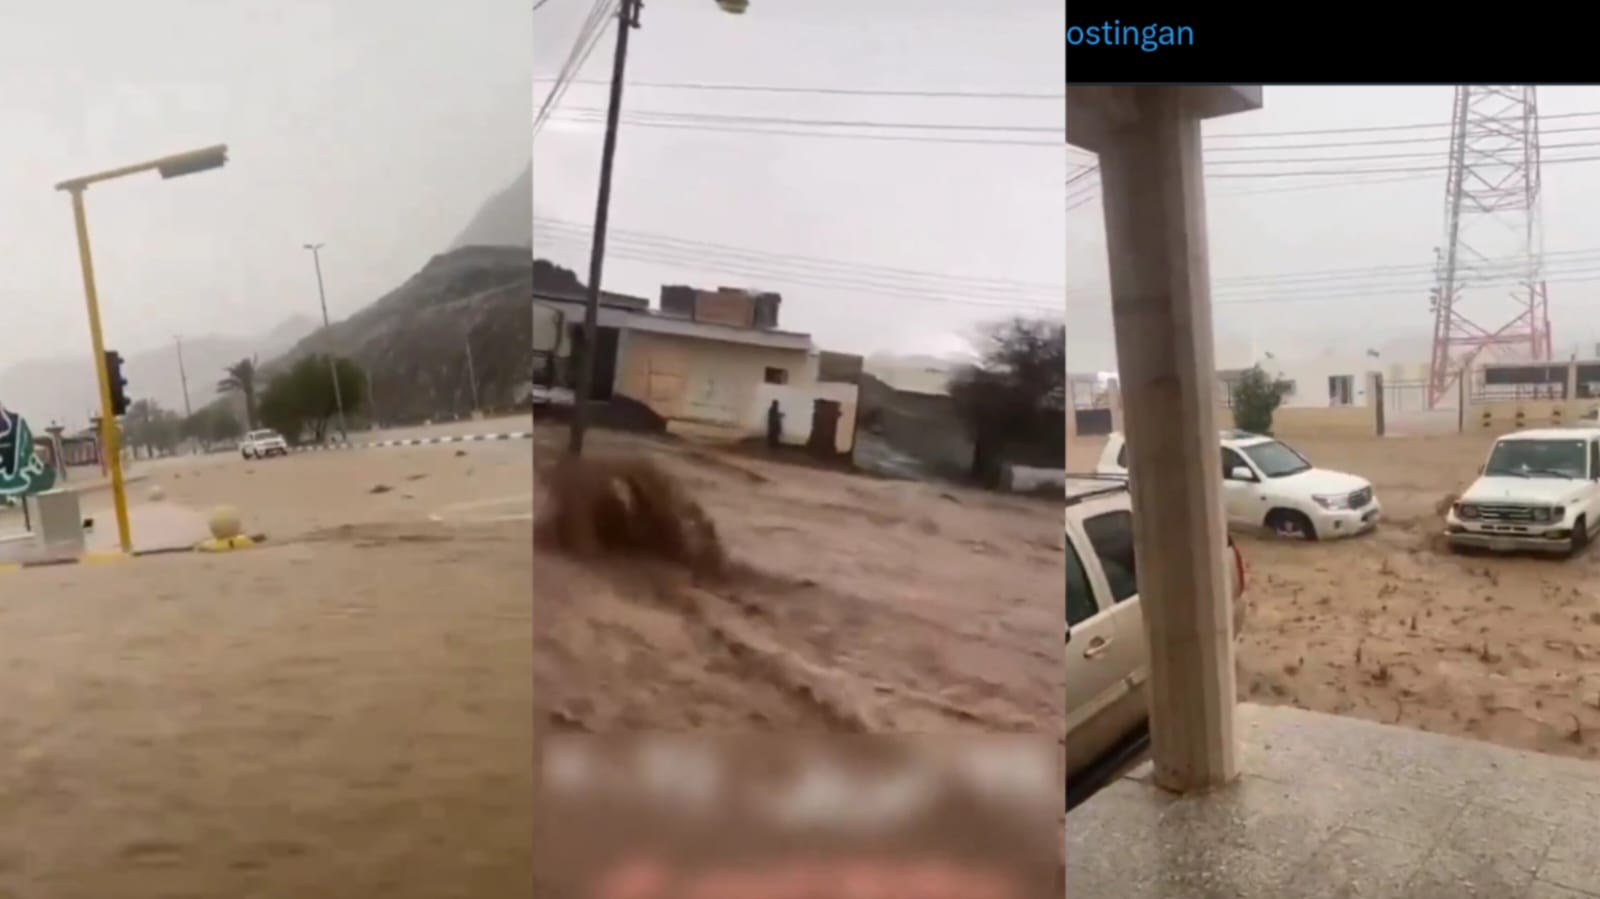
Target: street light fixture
[[627, 20], [174, 166]]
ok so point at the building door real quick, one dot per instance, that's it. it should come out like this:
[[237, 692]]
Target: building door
[[824, 428], [1340, 389]]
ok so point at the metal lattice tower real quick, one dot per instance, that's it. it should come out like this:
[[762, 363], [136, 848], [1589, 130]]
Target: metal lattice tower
[[1492, 190]]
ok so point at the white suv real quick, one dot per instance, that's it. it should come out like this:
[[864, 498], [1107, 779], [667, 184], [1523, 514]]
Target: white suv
[[1108, 657], [1267, 484], [261, 444], [1539, 490]]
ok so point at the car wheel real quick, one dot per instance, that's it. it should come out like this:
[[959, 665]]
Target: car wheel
[[244, 454], [1292, 525], [1580, 536]]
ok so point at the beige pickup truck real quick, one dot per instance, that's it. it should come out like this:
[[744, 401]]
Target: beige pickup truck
[[1108, 656]]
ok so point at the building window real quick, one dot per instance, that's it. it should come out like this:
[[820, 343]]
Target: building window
[[777, 375], [1340, 389]]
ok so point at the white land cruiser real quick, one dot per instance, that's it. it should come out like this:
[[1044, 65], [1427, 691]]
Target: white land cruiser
[[1540, 490], [261, 444], [1108, 657], [1267, 484]]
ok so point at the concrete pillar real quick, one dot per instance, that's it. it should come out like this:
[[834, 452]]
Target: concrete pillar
[[1150, 171]]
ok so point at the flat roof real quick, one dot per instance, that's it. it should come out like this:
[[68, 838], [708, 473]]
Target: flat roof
[[655, 323]]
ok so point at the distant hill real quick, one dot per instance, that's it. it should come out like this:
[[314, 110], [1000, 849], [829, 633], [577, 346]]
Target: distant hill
[[63, 389], [504, 220], [413, 340]]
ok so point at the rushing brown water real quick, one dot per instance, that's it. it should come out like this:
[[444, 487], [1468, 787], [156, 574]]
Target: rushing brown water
[[852, 604]]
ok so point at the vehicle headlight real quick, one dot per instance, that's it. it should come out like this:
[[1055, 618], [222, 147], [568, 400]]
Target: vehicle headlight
[[1558, 513], [1335, 501], [1541, 515], [1466, 511]]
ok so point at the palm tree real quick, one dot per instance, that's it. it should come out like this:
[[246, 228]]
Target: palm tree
[[242, 379]]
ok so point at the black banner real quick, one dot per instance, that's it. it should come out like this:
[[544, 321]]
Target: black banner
[[1128, 43]]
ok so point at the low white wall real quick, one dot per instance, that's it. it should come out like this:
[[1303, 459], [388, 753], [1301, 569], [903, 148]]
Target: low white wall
[[797, 402]]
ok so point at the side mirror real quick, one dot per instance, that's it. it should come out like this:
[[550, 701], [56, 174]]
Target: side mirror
[[1069, 634], [1241, 473]]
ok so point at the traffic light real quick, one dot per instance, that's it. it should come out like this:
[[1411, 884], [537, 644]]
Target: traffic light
[[119, 384]]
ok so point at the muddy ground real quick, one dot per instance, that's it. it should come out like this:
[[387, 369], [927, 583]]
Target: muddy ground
[[863, 605], [1391, 627]]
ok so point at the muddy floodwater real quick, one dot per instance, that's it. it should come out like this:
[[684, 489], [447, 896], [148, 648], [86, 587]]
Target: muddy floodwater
[[1392, 627], [860, 604], [345, 711]]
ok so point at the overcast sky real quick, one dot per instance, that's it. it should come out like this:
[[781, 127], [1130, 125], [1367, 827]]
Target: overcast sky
[[936, 211], [376, 127], [1263, 227]]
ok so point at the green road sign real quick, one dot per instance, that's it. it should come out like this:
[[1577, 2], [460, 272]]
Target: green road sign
[[22, 471]]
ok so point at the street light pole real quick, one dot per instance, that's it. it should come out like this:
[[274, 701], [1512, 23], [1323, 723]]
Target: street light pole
[[175, 166], [333, 368], [627, 20], [110, 445], [472, 376], [183, 376]]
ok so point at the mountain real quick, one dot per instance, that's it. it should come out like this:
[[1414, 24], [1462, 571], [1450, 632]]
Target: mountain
[[413, 341], [504, 220], [63, 389]]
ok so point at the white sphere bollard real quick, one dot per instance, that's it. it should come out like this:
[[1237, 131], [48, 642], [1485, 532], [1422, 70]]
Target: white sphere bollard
[[157, 494], [224, 522]]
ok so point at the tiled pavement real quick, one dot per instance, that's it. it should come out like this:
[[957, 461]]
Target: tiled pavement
[[1336, 807]]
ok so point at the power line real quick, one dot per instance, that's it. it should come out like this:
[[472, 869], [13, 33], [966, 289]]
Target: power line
[[1576, 261], [589, 34], [1387, 141], [782, 132], [826, 91], [1372, 128], [897, 275], [665, 115], [701, 262]]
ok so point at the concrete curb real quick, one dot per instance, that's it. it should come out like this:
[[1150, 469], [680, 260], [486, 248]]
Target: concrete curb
[[418, 441], [105, 558]]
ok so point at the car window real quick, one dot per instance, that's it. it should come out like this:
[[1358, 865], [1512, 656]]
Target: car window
[[1080, 598], [1111, 535], [1594, 459], [1230, 461]]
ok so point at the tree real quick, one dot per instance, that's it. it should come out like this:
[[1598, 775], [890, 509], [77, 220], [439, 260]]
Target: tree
[[210, 425], [1255, 398], [302, 399], [241, 379], [1006, 399], [149, 427]]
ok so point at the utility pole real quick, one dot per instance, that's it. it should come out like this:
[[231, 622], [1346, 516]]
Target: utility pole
[[333, 368], [183, 376], [627, 20], [372, 401], [472, 376]]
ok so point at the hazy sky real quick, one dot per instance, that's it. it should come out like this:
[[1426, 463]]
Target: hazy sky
[[376, 127], [1262, 227], [991, 214]]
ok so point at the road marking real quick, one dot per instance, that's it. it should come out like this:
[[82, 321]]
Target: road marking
[[452, 512]]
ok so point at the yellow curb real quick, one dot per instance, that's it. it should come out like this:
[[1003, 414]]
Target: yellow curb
[[213, 545], [7, 567]]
